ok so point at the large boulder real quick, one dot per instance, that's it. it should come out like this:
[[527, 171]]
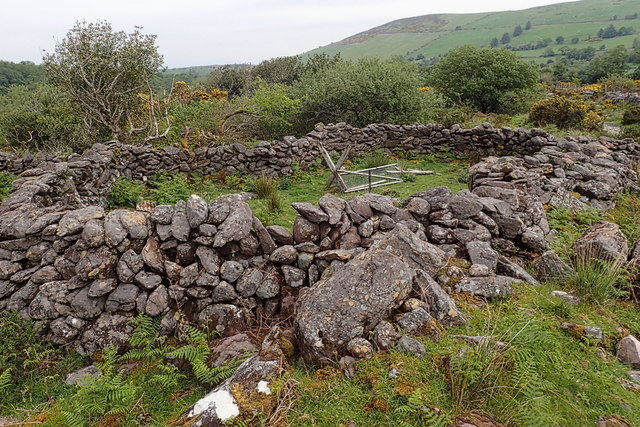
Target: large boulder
[[350, 303], [604, 241], [551, 267], [416, 253]]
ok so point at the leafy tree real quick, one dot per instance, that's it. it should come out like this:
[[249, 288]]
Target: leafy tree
[[506, 38], [276, 111], [608, 33], [321, 61], [528, 26], [494, 42], [611, 62], [559, 40], [102, 72], [481, 76], [575, 40], [283, 70], [517, 31], [370, 90], [39, 117], [23, 73], [235, 79]]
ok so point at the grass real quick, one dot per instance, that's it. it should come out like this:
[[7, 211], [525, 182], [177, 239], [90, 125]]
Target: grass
[[434, 35], [546, 376], [275, 195]]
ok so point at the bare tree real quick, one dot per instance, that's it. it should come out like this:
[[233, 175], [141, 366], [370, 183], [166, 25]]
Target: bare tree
[[103, 71]]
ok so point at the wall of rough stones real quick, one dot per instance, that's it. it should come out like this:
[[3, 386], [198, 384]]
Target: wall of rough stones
[[83, 272]]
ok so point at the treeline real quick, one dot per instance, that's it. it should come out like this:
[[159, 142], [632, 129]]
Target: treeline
[[22, 73]]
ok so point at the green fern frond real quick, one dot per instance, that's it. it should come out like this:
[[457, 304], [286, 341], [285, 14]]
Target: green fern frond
[[5, 380]]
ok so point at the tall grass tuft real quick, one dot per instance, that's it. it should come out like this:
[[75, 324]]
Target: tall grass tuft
[[375, 159], [599, 280], [264, 186]]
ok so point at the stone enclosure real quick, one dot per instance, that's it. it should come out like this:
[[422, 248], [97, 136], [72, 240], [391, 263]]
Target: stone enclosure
[[82, 272]]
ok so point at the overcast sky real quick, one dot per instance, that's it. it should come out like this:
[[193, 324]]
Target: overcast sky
[[201, 32]]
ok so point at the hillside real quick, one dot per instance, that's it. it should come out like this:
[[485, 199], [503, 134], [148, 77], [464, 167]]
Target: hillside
[[428, 36]]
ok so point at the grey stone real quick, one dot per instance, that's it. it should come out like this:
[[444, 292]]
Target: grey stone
[[102, 287], [310, 212], [465, 205], [604, 241], [248, 284], [269, 288], [162, 214], [280, 234], [123, 298], [189, 275], [225, 318], [418, 321], [571, 299], [209, 259], [284, 255], [197, 211], [266, 241], [218, 212], [234, 347], [305, 230], [482, 253], [231, 271], [114, 231], [86, 307], [628, 351], [73, 221], [419, 208], [135, 223], [98, 263], [158, 301], [83, 376], [385, 335], [416, 253], [360, 348], [333, 206], [506, 267], [180, 228], [492, 287], [224, 292], [350, 303], [236, 226], [551, 267], [147, 280], [411, 345], [93, 233], [293, 276], [107, 329]]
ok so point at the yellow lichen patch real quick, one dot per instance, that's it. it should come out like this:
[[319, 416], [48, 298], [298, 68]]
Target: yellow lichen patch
[[327, 373], [252, 401]]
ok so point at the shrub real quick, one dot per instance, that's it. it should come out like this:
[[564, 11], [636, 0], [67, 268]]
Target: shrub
[[276, 111], [168, 189], [631, 115], [6, 184], [480, 77], [370, 90], [125, 194], [40, 117], [560, 111]]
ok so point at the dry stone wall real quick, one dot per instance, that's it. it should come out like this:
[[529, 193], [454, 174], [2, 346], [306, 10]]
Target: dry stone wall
[[82, 272]]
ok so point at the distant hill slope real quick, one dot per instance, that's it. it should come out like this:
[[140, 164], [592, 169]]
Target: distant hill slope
[[424, 37]]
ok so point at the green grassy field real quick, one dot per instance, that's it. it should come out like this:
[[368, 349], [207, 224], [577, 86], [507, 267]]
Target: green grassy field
[[433, 35]]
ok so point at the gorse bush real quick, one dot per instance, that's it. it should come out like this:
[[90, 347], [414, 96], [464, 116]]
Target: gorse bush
[[559, 110]]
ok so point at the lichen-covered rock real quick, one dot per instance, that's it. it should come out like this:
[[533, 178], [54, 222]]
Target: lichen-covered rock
[[197, 211], [333, 206], [350, 303], [236, 226], [416, 253], [73, 222], [551, 267], [491, 287], [411, 345], [305, 230], [482, 253], [98, 263], [158, 301], [284, 255], [248, 391], [310, 212], [628, 351], [108, 329], [439, 304], [385, 335], [360, 348], [604, 241]]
